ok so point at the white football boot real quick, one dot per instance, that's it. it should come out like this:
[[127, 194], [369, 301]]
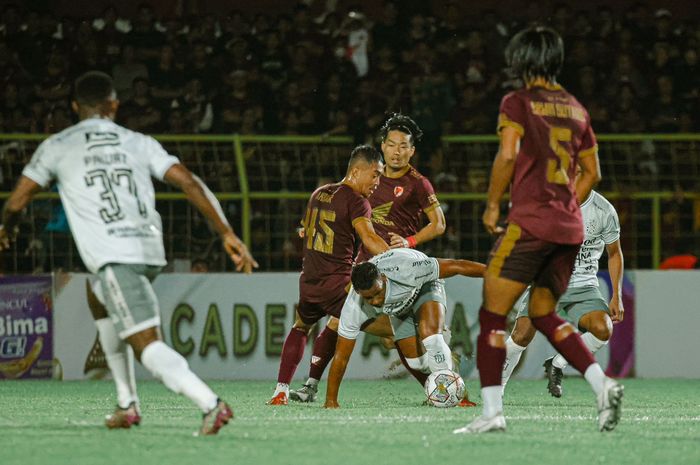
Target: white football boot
[[484, 425], [610, 405]]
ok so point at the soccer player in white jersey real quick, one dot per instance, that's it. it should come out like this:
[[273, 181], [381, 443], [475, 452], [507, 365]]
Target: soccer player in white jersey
[[103, 172], [582, 304], [407, 286]]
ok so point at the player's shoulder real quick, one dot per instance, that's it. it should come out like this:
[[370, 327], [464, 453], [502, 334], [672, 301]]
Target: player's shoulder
[[599, 203], [514, 95], [414, 174]]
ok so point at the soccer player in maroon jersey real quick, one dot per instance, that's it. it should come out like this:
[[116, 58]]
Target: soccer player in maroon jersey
[[335, 214], [398, 205], [544, 133]]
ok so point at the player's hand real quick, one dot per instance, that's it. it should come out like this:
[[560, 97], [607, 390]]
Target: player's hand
[[238, 252], [490, 220], [617, 310], [6, 238], [331, 404], [396, 241]]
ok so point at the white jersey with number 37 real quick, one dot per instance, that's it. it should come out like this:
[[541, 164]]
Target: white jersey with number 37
[[103, 173]]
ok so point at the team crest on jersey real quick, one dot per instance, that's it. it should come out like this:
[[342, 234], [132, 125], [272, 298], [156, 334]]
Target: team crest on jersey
[[398, 191]]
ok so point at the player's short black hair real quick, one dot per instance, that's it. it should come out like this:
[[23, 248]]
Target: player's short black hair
[[93, 88], [537, 51], [365, 153], [364, 275], [403, 123]]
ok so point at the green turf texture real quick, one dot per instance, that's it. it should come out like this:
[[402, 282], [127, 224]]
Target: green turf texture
[[380, 422]]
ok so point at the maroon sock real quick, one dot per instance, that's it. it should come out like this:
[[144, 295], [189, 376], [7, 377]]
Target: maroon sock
[[324, 349], [489, 357], [571, 347], [292, 351], [419, 375]]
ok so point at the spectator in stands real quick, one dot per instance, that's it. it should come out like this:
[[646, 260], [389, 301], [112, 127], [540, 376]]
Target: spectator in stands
[[140, 112], [126, 71]]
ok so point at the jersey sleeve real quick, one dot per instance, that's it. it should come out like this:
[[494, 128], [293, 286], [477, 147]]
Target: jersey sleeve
[[512, 114], [611, 229], [359, 208], [426, 195], [589, 143], [159, 161], [351, 316], [40, 168]]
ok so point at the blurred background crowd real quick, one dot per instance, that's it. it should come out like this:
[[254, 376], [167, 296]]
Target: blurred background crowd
[[319, 68]]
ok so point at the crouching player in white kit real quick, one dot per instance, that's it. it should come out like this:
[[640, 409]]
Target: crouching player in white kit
[[582, 304], [406, 285], [103, 173]]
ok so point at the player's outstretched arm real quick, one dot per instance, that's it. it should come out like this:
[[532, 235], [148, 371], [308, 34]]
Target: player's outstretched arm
[[501, 176], [19, 198], [343, 350], [449, 268], [616, 267], [199, 195], [435, 227], [590, 175], [371, 240]]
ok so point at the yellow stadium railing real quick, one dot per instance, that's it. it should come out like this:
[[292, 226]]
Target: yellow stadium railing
[[252, 172]]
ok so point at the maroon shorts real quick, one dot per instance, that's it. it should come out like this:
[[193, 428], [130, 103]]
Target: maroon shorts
[[519, 256], [322, 298]]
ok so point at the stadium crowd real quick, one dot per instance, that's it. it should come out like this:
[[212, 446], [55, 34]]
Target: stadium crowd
[[339, 72]]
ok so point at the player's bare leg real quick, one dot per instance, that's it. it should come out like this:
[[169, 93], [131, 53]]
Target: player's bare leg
[[597, 329], [323, 350], [120, 360], [172, 369], [521, 336], [292, 352]]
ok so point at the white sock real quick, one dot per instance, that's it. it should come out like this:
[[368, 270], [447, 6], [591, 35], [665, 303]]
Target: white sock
[[120, 360], [595, 377], [281, 387], [172, 369], [593, 343], [513, 354], [312, 382], [438, 353], [493, 400]]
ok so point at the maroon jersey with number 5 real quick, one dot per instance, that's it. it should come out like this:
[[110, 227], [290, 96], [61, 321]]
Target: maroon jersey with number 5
[[329, 233], [555, 130]]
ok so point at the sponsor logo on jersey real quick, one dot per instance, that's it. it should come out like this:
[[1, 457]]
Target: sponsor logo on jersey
[[380, 212], [398, 191]]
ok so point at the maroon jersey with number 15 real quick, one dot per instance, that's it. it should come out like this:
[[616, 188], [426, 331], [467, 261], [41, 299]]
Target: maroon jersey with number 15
[[329, 233], [555, 131]]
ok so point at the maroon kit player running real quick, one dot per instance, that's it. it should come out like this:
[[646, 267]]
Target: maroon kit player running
[[398, 205], [335, 214], [544, 133]]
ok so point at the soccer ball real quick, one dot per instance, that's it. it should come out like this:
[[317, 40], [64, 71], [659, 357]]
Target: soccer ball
[[444, 388]]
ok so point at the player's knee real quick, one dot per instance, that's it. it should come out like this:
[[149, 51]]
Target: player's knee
[[601, 327], [523, 333], [299, 325], [563, 331]]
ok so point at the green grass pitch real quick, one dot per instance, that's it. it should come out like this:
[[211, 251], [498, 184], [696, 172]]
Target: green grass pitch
[[380, 422]]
